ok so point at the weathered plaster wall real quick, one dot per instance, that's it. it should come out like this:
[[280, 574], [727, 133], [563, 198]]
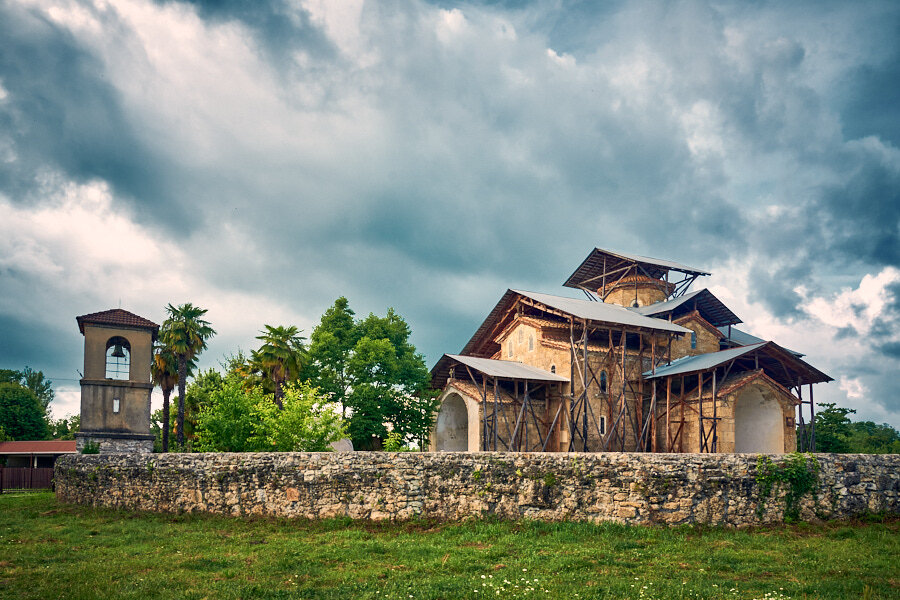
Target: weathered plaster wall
[[707, 337], [626, 293], [631, 488], [725, 411]]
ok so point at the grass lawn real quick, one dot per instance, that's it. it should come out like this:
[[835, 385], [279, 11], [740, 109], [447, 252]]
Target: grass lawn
[[48, 550]]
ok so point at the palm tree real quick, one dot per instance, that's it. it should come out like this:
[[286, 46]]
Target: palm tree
[[280, 357], [185, 334], [164, 371]]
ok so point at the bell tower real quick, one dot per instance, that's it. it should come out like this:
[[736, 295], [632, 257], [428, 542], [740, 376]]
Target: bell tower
[[116, 387]]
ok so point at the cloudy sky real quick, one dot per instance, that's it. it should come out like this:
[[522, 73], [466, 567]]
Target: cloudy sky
[[261, 161]]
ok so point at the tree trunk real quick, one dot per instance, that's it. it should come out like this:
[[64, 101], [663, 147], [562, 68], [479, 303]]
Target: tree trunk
[[165, 430], [182, 380], [279, 393]]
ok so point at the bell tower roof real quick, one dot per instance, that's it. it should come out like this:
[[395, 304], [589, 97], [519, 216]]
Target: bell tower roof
[[117, 317]]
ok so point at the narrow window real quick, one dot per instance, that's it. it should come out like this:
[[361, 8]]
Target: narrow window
[[603, 382], [693, 340], [553, 368], [521, 335], [118, 358], [115, 405], [602, 425], [509, 349], [530, 343]]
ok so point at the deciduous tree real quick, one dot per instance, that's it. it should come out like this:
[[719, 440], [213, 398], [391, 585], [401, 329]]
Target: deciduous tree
[[370, 366], [22, 415]]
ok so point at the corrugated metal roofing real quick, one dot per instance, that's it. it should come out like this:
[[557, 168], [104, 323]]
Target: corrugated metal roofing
[[507, 369], [778, 363], [669, 264], [602, 312], [711, 308], [593, 266], [692, 364], [742, 338]]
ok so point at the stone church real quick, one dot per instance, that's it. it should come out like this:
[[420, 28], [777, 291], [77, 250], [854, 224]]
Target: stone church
[[640, 364]]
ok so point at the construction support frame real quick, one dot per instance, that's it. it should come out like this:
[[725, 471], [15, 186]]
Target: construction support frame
[[627, 425], [691, 403], [511, 421]]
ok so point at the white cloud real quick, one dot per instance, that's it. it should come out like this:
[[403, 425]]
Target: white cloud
[[450, 24], [859, 308], [853, 387]]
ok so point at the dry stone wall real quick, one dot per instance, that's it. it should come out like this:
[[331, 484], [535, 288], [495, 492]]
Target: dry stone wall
[[626, 487]]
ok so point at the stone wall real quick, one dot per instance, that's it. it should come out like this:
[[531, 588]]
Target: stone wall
[[626, 487]]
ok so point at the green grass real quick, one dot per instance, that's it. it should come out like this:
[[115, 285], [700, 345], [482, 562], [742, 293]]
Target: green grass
[[49, 550]]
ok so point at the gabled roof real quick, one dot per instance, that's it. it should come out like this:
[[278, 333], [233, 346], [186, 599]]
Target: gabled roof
[[117, 318], [482, 344], [501, 369], [38, 447], [600, 261], [779, 364], [736, 337], [710, 308]]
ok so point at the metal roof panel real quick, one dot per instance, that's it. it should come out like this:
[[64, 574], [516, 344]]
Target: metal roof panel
[[701, 362], [711, 308], [602, 312], [593, 266], [507, 369]]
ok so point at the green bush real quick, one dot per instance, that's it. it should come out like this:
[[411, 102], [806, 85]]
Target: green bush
[[237, 418]]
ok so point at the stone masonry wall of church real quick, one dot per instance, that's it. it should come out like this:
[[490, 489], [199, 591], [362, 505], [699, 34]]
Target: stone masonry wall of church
[[625, 487]]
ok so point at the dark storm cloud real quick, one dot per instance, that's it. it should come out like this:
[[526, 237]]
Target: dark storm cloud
[[424, 159], [53, 350], [61, 114], [862, 217], [280, 26], [886, 328], [868, 96]]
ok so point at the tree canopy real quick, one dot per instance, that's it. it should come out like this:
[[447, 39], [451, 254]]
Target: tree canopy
[[22, 414], [372, 369], [32, 380], [835, 432]]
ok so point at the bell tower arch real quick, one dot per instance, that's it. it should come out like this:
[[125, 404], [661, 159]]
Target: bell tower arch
[[116, 387]]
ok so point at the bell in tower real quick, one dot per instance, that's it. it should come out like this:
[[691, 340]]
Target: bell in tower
[[115, 390]]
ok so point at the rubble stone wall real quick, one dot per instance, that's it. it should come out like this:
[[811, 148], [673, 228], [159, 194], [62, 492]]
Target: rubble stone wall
[[626, 487]]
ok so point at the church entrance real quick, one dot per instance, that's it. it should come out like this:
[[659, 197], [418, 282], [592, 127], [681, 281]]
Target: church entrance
[[452, 429], [758, 423]]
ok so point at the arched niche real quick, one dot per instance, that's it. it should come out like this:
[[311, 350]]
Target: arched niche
[[758, 423], [118, 358], [452, 428]]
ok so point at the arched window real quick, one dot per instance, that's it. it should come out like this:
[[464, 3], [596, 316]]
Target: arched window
[[693, 340], [603, 386], [118, 358], [509, 349], [553, 368], [531, 342]]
